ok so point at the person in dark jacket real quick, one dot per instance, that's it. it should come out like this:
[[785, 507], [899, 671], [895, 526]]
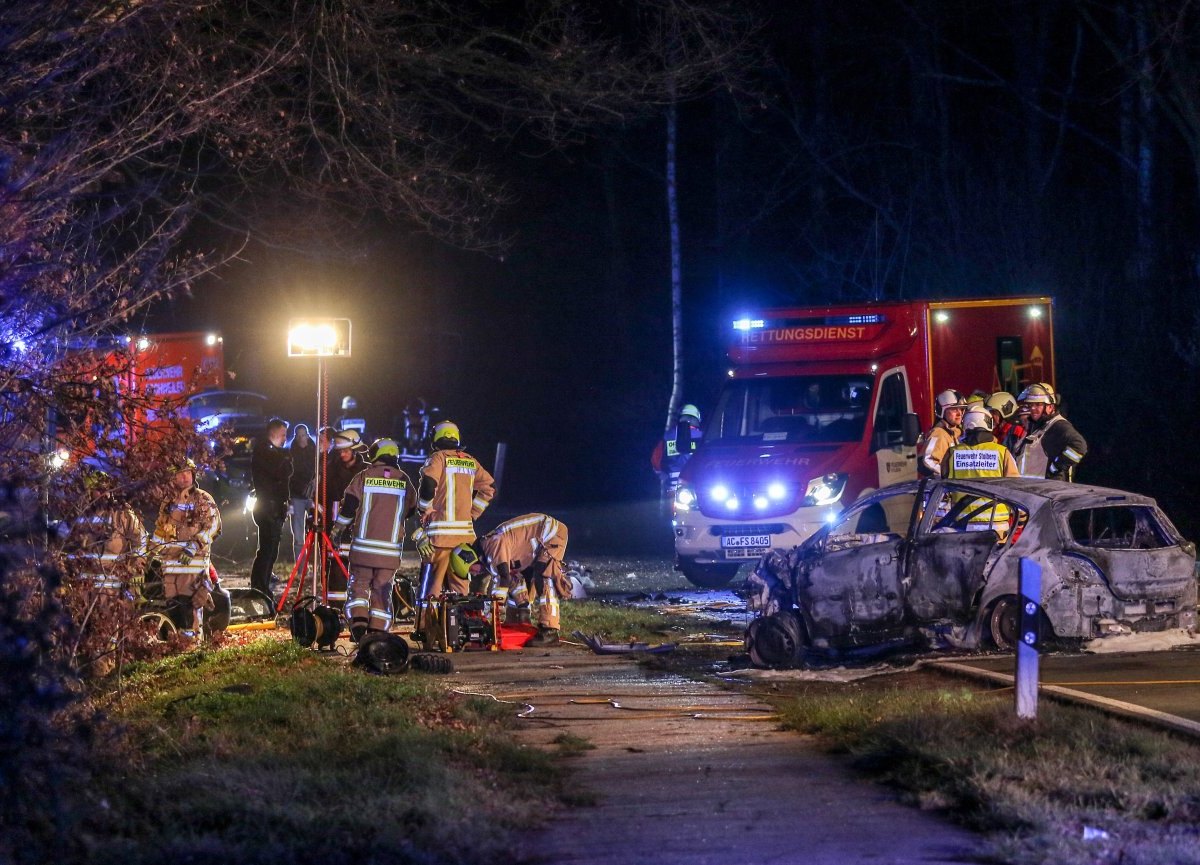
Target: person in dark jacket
[[1052, 448], [345, 461], [303, 452], [270, 473]]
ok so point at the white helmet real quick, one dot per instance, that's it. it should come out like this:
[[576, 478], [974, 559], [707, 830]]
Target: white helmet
[[948, 399], [347, 438], [1039, 393], [978, 416]]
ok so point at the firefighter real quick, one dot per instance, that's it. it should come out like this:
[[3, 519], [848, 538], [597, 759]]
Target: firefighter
[[347, 461], [107, 542], [522, 556], [454, 490], [979, 455], [945, 432], [188, 523], [677, 446], [1007, 427], [372, 512], [1052, 447]]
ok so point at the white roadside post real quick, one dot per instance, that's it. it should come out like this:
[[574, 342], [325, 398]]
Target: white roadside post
[[1028, 639]]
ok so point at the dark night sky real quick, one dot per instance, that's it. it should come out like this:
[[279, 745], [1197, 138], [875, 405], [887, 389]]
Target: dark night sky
[[892, 151]]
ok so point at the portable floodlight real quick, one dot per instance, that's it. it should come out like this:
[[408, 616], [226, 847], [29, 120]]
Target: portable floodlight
[[319, 337]]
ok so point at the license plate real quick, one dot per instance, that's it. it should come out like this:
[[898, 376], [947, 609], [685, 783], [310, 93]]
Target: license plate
[[745, 552], [741, 541]]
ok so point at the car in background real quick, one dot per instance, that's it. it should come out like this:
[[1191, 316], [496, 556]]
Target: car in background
[[938, 561], [239, 415]]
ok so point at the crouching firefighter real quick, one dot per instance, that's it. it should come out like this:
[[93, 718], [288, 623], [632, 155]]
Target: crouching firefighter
[[455, 491], [372, 512], [524, 560], [107, 543], [188, 523]]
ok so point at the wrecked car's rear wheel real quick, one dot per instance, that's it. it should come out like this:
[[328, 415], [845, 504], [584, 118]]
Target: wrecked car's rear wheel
[[708, 576], [776, 640], [1003, 623]]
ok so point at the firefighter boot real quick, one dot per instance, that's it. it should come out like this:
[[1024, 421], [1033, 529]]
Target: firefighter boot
[[545, 637]]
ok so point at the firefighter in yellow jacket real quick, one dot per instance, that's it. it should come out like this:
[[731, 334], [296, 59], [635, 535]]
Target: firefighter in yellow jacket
[[454, 490], [188, 523], [107, 543], [373, 509], [522, 556], [981, 456]]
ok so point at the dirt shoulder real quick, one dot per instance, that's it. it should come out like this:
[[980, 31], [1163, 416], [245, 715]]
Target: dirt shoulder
[[685, 772]]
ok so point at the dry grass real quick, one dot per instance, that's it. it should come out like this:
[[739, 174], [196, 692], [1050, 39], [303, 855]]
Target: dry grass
[[269, 753], [1032, 787]]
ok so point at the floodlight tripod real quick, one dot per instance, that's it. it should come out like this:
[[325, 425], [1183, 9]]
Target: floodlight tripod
[[318, 549]]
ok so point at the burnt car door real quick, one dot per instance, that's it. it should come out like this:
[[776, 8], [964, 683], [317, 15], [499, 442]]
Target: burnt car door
[[946, 563], [853, 581]]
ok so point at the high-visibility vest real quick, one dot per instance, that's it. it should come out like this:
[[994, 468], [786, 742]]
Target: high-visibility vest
[[982, 460]]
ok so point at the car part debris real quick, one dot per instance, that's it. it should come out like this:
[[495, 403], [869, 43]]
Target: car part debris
[[593, 642]]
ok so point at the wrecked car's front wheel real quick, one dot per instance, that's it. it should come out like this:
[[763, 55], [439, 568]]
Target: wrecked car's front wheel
[[1003, 624], [777, 640]]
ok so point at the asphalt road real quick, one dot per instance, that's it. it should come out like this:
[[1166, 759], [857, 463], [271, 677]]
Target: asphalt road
[[1166, 681]]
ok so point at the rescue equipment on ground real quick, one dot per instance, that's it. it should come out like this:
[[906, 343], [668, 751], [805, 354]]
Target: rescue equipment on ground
[[314, 622], [455, 623]]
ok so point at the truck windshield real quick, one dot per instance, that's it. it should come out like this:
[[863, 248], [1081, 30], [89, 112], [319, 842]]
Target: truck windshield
[[811, 408]]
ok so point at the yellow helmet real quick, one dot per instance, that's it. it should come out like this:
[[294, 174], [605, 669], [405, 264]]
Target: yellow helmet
[[462, 558], [384, 447], [445, 434]]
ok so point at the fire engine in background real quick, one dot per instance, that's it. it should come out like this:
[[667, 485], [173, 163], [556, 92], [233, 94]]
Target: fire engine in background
[[823, 404]]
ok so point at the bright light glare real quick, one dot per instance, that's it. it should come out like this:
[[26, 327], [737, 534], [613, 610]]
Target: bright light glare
[[314, 338], [143, 343], [251, 501], [748, 323], [941, 316], [777, 491], [211, 339], [719, 493], [760, 503], [59, 458], [731, 503], [831, 517], [684, 499], [1035, 312]]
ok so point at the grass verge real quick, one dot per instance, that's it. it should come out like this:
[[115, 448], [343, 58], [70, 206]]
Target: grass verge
[[270, 753], [1035, 788], [622, 624]]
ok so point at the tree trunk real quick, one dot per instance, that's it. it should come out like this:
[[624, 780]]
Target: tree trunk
[[676, 272]]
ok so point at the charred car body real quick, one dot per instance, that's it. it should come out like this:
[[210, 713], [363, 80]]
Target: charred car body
[[942, 558]]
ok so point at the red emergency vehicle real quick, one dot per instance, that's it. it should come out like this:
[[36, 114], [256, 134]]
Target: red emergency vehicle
[[825, 403]]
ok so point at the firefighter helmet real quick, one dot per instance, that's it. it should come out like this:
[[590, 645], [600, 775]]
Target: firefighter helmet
[[347, 438], [445, 435], [462, 559], [384, 447], [381, 652], [1039, 393], [691, 411], [349, 403], [1003, 404], [978, 417], [98, 481], [948, 399], [187, 464]]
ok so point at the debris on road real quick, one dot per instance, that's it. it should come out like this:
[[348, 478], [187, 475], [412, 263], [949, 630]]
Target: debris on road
[[593, 642]]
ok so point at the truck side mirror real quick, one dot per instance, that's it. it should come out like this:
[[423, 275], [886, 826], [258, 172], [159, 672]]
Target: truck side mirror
[[912, 429]]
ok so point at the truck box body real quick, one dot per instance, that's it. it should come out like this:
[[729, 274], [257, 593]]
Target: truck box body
[[812, 414]]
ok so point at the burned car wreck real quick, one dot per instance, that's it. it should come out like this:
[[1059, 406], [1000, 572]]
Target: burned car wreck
[[937, 563]]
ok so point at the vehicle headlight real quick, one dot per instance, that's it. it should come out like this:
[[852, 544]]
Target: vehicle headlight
[[719, 492], [777, 491], [684, 498], [251, 501], [826, 489]]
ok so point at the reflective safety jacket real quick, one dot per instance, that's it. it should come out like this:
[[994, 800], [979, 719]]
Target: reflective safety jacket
[[375, 504], [521, 541], [940, 438], [984, 459], [105, 544], [455, 490], [186, 527], [1051, 449]]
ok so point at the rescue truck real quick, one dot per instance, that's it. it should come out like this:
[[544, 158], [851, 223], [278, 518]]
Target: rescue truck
[[824, 404]]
